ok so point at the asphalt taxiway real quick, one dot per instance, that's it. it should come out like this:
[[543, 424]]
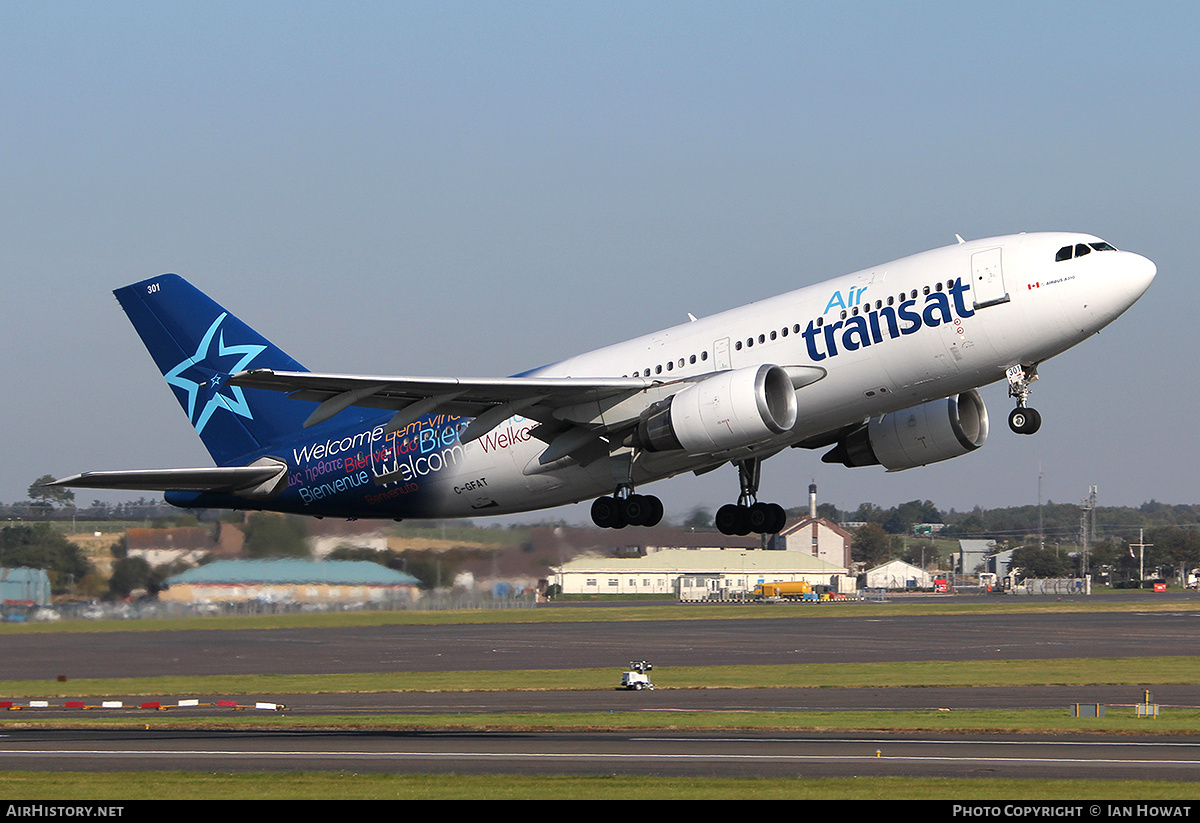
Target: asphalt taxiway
[[807, 638]]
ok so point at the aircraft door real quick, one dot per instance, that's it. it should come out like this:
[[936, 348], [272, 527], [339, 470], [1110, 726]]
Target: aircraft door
[[721, 360], [987, 278]]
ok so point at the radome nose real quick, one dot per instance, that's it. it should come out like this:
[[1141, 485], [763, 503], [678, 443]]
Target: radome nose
[[1138, 274]]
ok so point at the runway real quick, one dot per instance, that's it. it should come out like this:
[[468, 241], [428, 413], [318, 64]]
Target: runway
[[698, 754]]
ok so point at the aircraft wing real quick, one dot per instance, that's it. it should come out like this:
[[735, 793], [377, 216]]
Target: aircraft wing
[[574, 412], [339, 391], [552, 401]]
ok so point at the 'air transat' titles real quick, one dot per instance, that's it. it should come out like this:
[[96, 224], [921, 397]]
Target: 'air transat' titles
[[867, 328], [376, 457]]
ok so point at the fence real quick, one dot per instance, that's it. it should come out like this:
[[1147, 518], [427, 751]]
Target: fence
[[156, 610], [1055, 585]]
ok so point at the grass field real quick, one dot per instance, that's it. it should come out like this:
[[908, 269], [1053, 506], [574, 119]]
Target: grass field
[[188, 786], [1078, 671]]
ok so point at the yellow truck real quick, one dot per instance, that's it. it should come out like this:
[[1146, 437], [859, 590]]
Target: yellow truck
[[796, 590]]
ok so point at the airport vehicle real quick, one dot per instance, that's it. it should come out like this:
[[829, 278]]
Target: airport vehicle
[[788, 590], [636, 678], [879, 367]]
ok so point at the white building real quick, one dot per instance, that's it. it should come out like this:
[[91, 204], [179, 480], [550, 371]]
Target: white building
[[817, 536], [896, 574], [696, 575]]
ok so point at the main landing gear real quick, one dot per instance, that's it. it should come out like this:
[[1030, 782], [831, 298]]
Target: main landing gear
[[749, 515], [626, 509], [1022, 420]]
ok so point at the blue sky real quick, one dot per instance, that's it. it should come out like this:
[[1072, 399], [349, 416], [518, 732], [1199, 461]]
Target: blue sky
[[480, 188]]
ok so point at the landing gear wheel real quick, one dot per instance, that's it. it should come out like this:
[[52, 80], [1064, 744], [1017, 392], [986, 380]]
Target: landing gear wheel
[[767, 518], [778, 519], [634, 510], [606, 512], [642, 510], [655, 515], [760, 517], [1024, 420], [733, 519]]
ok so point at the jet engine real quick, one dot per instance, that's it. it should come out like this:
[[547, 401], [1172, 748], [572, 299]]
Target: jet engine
[[728, 410], [915, 437]]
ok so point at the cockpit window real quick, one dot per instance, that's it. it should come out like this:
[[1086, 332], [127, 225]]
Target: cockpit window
[[1080, 249]]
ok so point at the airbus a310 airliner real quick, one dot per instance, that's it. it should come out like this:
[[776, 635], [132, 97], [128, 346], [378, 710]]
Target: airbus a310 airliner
[[879, 367]]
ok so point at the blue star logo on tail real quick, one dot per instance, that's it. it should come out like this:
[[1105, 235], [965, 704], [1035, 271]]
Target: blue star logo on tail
[[208, 389]]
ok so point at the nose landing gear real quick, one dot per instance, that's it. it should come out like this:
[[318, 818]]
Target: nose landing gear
[[1022, 420]]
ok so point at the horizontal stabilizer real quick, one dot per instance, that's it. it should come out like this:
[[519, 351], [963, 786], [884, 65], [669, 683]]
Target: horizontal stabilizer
[[255, 481]]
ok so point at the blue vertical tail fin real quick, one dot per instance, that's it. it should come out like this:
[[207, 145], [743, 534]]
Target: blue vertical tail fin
[[197, 344]]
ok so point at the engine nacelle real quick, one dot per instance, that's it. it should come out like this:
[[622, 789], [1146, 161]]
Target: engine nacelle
[[918, 436], [726, 411]]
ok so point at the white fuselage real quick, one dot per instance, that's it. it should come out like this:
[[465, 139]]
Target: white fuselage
[[891, 337]]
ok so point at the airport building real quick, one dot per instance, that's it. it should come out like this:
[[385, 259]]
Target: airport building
[[24, 587], [896, 574], [291, 581], [818, 536], [698, 574]]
